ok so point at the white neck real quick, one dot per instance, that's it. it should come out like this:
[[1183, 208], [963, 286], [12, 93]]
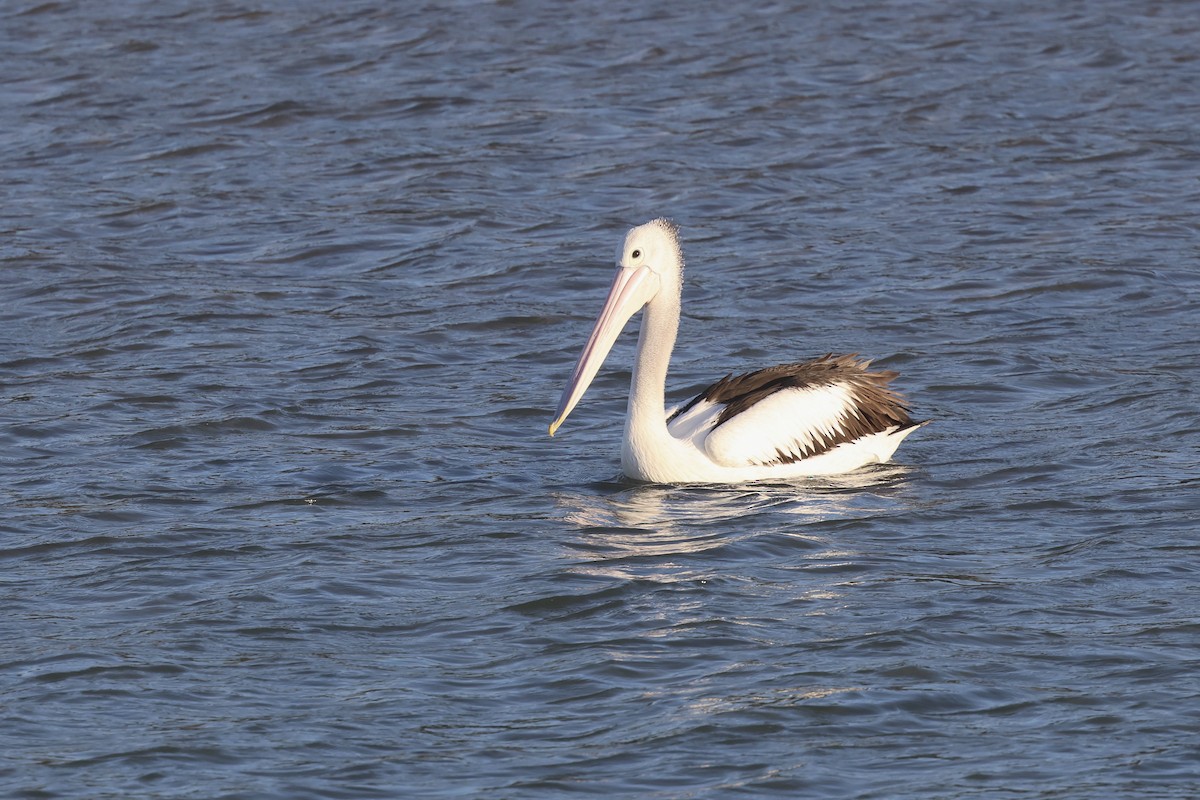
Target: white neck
[[647, 441]]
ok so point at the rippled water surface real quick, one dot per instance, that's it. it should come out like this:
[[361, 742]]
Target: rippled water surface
[[289, 293]]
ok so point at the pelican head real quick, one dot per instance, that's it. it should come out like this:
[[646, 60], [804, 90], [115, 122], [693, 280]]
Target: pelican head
[[649, 263]]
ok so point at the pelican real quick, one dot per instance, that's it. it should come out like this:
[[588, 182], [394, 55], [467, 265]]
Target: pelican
[[821, 417]]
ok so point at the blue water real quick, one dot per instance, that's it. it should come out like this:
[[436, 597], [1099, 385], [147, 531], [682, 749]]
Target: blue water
[[289, 294]]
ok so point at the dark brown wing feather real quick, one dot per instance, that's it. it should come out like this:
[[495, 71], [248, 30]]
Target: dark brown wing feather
[[874, 406]]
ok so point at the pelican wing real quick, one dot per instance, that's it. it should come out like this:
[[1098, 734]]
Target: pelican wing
[[789, 413]]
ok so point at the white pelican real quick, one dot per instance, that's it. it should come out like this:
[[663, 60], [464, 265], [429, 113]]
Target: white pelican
[[823, 417]]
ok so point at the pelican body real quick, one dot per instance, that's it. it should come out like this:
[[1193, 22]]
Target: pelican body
[[822, 417]]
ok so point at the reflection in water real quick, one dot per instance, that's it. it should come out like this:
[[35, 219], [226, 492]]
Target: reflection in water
[[644, 518], [673, 551], [779, 697], [700, 533]]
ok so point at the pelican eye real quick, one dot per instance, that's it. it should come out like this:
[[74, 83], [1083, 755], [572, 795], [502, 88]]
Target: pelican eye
[[636, 254]]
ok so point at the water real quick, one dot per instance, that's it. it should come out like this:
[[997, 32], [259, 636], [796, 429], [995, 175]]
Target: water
[[290, 291]]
